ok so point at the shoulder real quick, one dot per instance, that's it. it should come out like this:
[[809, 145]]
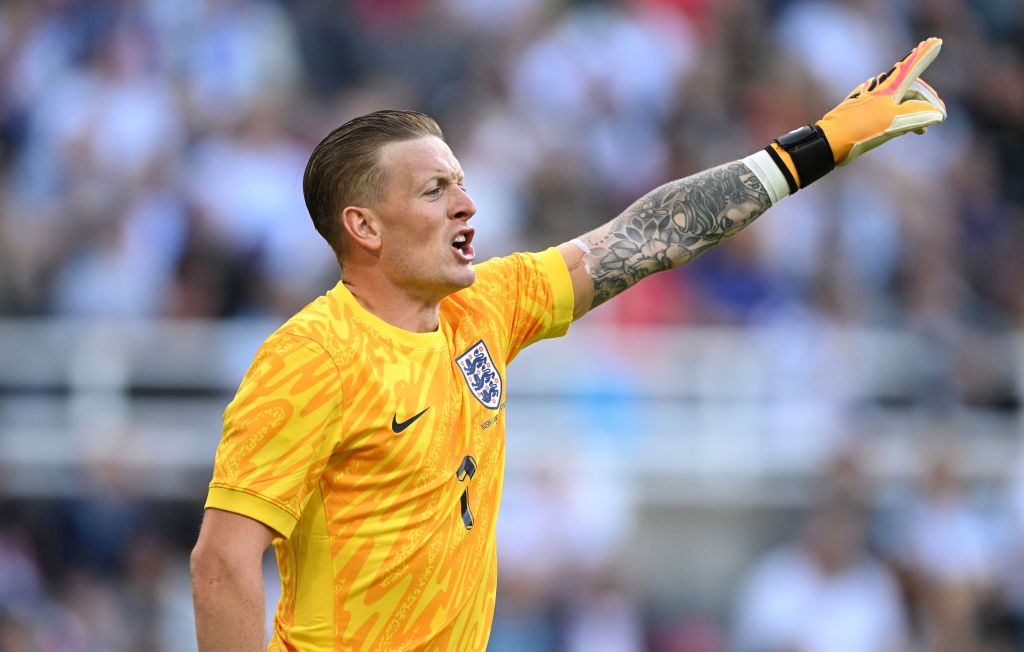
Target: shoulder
[[322, 325], [519, 268], [545, 260]]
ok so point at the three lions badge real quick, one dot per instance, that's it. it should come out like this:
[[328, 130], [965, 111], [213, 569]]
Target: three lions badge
[[481, 375]]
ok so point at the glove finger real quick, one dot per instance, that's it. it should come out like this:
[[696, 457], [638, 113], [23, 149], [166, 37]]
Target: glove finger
[[878, 79], [905, 72], [859, 90], [920, 92], [928, 93], [914, 114]]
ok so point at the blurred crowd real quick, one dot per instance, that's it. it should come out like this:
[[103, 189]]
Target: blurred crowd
[[152, 151], [931, 563], [151, 157]]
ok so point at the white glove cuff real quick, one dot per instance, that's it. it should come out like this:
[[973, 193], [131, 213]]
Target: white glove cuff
[[768, 173]]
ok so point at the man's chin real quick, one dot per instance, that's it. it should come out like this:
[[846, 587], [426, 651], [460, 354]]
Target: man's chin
[[462, 280], [467, 277]]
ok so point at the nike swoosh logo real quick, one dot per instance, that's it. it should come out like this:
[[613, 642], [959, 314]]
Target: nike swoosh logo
[[399, 427]]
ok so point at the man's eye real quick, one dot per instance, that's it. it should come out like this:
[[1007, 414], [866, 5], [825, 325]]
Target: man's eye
[[434, 192]]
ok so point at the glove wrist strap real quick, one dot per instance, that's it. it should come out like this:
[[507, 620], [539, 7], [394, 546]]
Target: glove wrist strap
[[784, 169], [811, 154], [770, 173]]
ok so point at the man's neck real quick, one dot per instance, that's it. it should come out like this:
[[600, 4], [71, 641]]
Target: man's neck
[[396, 305]]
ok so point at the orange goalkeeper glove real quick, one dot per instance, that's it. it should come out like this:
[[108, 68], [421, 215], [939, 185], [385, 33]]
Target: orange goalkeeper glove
[[883, 107]]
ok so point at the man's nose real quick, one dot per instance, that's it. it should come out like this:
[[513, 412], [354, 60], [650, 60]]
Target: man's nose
[[463, 208]]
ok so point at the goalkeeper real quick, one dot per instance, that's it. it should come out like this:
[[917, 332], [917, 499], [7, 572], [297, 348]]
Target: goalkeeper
[[366, 441]]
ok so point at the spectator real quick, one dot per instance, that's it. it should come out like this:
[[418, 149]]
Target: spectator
[[823, 593], [948, 550]]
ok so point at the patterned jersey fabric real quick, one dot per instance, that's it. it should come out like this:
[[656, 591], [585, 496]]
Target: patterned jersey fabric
[[378, 454]]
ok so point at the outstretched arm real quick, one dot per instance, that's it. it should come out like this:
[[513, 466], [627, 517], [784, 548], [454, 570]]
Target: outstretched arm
[[665, 228], [675, 223]]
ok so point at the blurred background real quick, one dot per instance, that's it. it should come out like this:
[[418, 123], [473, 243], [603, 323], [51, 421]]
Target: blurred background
[[808, 440]]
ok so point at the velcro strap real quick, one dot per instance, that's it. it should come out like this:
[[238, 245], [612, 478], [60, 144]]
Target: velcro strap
[[784, 169], [810, 151]]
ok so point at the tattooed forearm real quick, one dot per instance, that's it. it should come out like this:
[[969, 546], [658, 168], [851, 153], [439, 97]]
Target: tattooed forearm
[[671, 225]]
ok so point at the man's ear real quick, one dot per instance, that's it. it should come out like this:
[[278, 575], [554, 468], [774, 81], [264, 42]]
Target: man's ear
[[362, 227]]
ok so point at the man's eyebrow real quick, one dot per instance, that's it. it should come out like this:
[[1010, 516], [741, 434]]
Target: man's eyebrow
[[445, 178]]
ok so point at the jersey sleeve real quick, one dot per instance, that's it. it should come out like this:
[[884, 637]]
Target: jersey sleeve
[[279, 432], [533, 292]]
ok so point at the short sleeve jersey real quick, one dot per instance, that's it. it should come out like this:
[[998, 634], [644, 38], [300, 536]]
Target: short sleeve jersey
[[377, 455]]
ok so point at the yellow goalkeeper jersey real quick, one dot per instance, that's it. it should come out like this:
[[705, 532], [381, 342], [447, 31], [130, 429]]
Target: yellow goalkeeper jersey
[[378, 454]]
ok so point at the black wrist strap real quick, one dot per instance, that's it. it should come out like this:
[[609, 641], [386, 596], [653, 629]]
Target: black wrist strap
[[810, 151], [790, 181]]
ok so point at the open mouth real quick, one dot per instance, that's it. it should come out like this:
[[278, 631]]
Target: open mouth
[[461, 245]]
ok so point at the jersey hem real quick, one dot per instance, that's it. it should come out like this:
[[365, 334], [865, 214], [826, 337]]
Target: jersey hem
[[256, 507]]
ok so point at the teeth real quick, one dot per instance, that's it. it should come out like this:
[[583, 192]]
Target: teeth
[[459, 239]]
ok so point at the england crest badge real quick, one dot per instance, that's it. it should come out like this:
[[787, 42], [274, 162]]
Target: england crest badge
[[481, 375]]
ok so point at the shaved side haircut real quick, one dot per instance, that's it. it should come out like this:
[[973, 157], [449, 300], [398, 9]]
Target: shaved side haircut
[[344, 169]]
